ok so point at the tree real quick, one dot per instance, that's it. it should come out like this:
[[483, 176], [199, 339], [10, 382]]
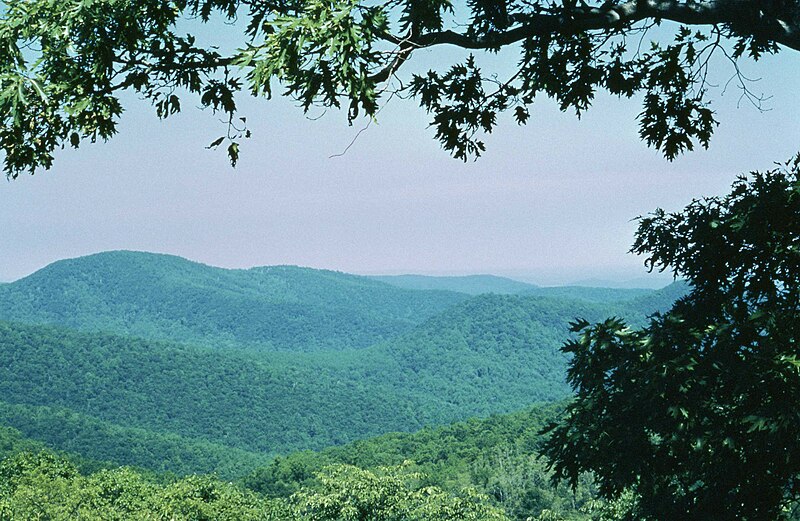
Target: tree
[[64, 63], [697, 412], [347, 493]]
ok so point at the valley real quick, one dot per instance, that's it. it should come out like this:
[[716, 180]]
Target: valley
[[167, 365]]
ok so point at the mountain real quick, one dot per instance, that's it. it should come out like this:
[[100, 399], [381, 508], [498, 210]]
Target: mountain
[[652, 281], [77, 433], [164, 297], [589, 293], [661, 300], [480, 284], [488, 354], [100, 351], [469, 284]]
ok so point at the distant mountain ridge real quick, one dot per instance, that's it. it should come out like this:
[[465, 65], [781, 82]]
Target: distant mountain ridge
[[98, 351], [164, 297], [481, 284], [469, 284]]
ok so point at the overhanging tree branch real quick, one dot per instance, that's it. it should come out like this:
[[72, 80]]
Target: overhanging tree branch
[[616, 16], [64, 62]]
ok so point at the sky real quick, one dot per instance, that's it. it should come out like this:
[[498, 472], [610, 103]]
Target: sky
[[552, 202]]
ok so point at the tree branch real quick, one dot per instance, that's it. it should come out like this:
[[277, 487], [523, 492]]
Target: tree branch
[[608, 17]]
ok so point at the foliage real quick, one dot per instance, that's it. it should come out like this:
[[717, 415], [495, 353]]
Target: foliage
[[496, 456], [696, 413], [44, 486], [12, 442], [65, 63], [348, 493]]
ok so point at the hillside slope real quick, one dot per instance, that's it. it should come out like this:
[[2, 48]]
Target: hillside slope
[[489, 354], [469, 284], [164, 297], [482, 284]]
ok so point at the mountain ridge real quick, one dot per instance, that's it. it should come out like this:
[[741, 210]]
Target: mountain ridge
[[165, 297]]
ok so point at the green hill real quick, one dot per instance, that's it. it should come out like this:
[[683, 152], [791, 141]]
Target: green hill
[[469, 284], [338, 357], [590, 294], [481, 284], [489, 354], [661, 300], [164, 297], [78, 433]]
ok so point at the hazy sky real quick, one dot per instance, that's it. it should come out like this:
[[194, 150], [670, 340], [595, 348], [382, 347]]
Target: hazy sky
[[551, 201]]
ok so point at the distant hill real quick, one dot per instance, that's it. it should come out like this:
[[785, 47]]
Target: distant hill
[[469, 284], [78, 433], [661, 300], [101, 351], [481, 284], [480, 358], [589, 294], [164, 297], [652, 281]]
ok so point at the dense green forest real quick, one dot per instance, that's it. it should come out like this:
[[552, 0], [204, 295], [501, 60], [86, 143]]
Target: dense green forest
[[174, 368], [163, 297], [47, 486], [78, 433], [488, 354], [478, 469], [479, 284], [497, 456]]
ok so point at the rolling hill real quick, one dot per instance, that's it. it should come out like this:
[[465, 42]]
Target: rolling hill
[[101, 351], [481, 284], [163, 297], [489, 354], [469, 284]]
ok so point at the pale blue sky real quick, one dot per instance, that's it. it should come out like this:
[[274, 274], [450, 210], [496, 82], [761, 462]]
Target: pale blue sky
[[551, 202]]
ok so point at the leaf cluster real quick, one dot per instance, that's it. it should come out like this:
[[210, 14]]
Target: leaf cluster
[[696, 412], [64, 63]]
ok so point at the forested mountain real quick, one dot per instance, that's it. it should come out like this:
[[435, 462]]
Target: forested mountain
[[479, 284], [164, 297], [496, 458], [590, 294], [469, 284], [170, 365], [661, 300], [488, 354], [103, 441], [264, 402]]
